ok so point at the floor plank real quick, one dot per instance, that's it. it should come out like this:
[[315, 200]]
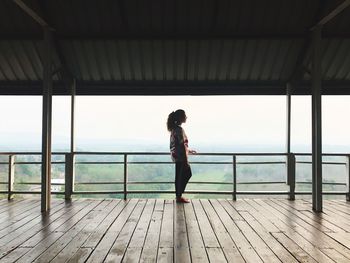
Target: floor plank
[[224, 210], [318, 238], [297, 251], [116, 253], [70, 229], [181, 245], [92, 221], [198, 251], [228, 246], [107, 241], [166, 238], [133, 250], [258, 223], [158, 230], [151, 245]]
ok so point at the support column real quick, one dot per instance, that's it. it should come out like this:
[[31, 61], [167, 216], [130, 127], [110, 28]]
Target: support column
[[316, 120], [288, 117], [70, 158], [290, 158], [46, 123]]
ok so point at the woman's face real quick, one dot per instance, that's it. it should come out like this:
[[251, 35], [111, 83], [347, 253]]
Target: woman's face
[[184, 118]]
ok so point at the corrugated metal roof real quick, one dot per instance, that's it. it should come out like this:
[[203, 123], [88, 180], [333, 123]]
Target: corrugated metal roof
[[22, 60], [182, 60], [173, 40], [170, 17]]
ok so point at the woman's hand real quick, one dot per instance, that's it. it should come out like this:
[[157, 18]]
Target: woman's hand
[[192, 152]]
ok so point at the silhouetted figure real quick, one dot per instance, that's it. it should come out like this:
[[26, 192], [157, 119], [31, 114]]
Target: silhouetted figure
[[179, 152]]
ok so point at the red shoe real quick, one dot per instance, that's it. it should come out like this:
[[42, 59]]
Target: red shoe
[[182, 200]]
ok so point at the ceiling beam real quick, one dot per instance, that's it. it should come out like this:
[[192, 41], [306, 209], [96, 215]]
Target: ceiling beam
[[172, 88], [320, 20], [299, 68], [165, 37], [33, 14], [66, 74], [337, 10], [42, 20]]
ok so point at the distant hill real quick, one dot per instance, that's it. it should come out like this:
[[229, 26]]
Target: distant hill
[[32, 142]]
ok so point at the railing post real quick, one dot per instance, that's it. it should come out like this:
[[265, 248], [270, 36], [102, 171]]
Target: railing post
[[291, 175], [348, 178], [69, 175], [125, 175], [11, 176], [234, 179]]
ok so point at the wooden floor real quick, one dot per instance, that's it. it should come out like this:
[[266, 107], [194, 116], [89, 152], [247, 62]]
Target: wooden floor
[[149, 230]]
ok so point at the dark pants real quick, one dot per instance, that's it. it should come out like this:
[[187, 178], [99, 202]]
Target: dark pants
[[183, 175]]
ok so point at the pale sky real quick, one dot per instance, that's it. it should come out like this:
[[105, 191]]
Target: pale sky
[[212, 120]]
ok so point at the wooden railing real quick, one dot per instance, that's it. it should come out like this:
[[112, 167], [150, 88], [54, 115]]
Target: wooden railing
[[289, 160]]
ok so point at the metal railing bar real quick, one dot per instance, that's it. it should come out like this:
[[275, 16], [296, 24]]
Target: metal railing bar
[[97, 192], [325, 183], [208, 192], [335, 163], [97, 183], [34, 192], [173, 163], [197, 154], [324, 154], [261, 162], [121, 153], [262, 193], [200, 182], [30, 153], [263, 182], [173, 192], [324, 193], [36, 183], [28, 162], [188, 192], [128, 162], [171, 182], [38, 162], [191, 162], [99, 162], [167, 153], [132, 162], [191, 182], [334, 193]]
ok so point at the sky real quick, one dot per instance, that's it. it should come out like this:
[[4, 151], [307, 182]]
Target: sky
[[254, 122]]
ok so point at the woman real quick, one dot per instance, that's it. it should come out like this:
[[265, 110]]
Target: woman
[[179, 152]]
